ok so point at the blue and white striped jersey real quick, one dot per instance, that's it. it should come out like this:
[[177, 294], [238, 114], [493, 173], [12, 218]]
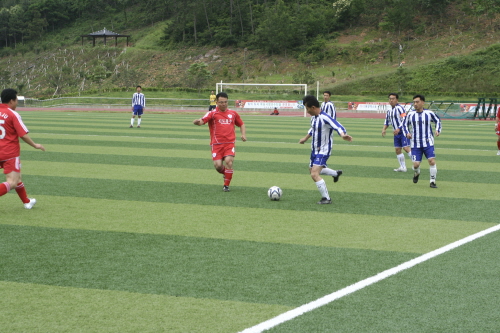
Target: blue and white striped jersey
[[329, 109], [421, 128], [395, 117], [322, 127], [139, 99]]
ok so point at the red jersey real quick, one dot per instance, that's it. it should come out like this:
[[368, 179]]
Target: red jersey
[[11, 128], [221, 125]]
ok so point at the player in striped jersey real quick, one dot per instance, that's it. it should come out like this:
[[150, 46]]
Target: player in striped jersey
[[138, 106], [327, 106], [394, 117], [422, 137], [322, 127]]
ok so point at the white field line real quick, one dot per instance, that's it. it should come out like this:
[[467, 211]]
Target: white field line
[[289, 315]]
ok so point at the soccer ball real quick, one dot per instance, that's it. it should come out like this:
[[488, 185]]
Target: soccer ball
[[274, 193]]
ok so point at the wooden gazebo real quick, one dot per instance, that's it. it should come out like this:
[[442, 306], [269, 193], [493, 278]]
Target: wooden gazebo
[[104, 34]]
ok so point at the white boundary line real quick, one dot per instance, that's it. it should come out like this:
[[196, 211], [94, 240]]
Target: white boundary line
[[289, 315]]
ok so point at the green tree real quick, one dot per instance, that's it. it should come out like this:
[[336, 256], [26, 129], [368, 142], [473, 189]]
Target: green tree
[[35, 28], [198, 75], [278, 31]]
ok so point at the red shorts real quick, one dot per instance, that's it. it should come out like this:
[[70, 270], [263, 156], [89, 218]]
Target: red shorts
[[12, 164], [222, 150]]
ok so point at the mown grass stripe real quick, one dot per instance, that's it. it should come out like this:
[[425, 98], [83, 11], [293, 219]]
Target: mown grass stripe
[[183, 266], [327, 229], [28, 307], [402, 185], [478, 210], [265, 154]]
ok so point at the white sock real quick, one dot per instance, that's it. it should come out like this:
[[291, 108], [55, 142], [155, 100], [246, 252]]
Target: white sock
[[417, 170], [401, 160], [139, 122], [433, 170], [328, 172], [132, 122], [322, 189]]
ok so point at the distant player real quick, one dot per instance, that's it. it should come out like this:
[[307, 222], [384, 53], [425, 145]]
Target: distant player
[[421, 137], [395, 116], [497, 129], [322, 127], [11, 129], [138, 106], [212, 101], [327, 106], [221, 122]]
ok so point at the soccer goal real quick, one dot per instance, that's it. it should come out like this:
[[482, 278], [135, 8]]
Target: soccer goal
[[283, 96]]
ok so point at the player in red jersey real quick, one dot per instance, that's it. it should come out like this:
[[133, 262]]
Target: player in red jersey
[[221, 122], [11, 129], [497, 129]]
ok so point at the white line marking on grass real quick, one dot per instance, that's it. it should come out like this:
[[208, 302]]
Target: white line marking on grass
[[289, 315]]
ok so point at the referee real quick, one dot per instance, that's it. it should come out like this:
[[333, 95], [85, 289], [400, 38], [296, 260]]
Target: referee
[[138, 106]]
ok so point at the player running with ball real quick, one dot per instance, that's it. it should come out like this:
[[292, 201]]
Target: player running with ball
[[322, 127]]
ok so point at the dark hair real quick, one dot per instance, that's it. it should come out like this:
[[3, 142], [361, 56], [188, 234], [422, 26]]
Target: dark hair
[[221, 94], [310, 101], [138, 87], [8, 95], [327, 92], [422, 98], [393, 94]]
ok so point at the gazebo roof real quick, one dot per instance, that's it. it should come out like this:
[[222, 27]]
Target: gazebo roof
[[104, 33]]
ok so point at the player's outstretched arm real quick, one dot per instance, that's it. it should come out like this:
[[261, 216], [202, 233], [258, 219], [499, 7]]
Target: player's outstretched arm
[[304, 139], [198, 122], [346, 137], [243, 132], [29, 141]]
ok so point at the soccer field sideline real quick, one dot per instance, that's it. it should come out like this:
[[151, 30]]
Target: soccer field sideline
[[290, 315]]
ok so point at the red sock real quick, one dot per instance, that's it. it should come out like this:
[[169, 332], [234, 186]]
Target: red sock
[[21, 192], [498, 145], [4, 188], [223, 170], [228, 175]]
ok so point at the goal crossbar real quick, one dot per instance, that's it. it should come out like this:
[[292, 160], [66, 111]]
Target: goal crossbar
[[223, 84]]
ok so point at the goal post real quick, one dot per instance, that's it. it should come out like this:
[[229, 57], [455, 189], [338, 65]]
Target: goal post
[[220, 86]]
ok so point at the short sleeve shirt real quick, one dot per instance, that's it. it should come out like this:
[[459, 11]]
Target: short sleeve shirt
[[221, 125], [11, 128]]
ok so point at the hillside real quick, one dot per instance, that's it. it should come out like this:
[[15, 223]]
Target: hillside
[[354, 61]]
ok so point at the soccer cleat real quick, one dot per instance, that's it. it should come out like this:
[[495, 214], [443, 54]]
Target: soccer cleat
[[498, 153], [336, 178], [131, 126], [433, 185], [400, 169], [30, 204], [415, 177], [225, 188], [138, 126], [324, 201]]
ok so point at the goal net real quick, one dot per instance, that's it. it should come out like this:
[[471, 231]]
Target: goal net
[[265, 96]]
